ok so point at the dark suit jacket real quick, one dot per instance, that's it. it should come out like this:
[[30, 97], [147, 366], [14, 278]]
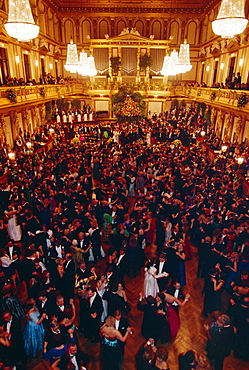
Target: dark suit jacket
[[122, 268], [115, 302], [97, 307], [163, 281], [82, 359], [171, 290]]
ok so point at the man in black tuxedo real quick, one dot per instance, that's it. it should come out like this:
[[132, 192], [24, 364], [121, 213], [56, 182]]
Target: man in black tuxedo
[[121, 324], [68, 278], [162, 272], [94, 238], [12, 325], [122, 266], [95, 310], [115, 302], [14, 252], [73, 358], [83, 243], [61, 310], [176, 291], [45, 305]]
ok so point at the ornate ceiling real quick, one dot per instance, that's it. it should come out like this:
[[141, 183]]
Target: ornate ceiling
[[134, 6]]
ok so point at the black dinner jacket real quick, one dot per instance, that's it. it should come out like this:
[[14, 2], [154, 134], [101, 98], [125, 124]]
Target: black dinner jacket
[[97, 306]]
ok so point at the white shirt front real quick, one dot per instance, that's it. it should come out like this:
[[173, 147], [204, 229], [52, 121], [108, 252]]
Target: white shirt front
[[92, 299]]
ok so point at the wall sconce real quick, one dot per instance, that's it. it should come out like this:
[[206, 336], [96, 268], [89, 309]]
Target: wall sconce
[[221, 65], [29, 145], [207, 68], [241, 61], [224, 148], [42, 57], [17, 59], [202, 62]]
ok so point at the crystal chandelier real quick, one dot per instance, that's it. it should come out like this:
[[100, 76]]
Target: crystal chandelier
[[174, 63], [21, 23], [231, 19], [166, 66], [91, 67], [72, 62], [170, 64], [184, 58], [83, 64]]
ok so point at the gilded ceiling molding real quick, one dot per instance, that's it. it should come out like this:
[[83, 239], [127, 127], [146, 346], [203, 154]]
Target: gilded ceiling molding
[[130, 9]]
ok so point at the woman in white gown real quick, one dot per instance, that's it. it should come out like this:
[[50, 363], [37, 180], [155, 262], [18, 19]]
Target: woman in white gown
[[14, 230], [150, 281]]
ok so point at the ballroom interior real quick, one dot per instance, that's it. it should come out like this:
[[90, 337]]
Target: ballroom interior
[[123, 31]]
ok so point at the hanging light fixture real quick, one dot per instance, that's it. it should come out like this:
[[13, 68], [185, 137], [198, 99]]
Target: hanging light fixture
[[166, 65], [21, 23], [91, 67], [184, 58], [72, 61], [231, 19], [83, 64], [174, 63]]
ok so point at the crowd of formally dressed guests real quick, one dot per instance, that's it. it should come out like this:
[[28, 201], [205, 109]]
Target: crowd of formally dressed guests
[[78, 219], [45, 79], [233, 82]]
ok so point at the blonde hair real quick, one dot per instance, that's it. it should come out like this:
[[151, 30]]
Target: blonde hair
[[110, 321]]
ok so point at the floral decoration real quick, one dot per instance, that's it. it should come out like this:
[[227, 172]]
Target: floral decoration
[[212, 95], [242, 100], [42, 92], [128, 105], [11, 95]]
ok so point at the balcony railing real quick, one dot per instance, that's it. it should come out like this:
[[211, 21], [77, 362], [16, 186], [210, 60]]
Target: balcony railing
[[17, 95], [232, 98]]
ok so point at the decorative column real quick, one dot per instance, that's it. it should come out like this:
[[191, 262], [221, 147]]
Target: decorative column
[[14, 124], [227, 128], [138, 65], [119, 78], [219, 123], [212, 120], [3, 130]]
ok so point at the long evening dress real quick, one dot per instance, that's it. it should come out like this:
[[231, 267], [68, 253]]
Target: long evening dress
[[150, 282], [33, 334], [111, 355]]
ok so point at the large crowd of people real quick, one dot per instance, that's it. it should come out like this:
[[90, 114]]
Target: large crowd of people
[[79, 218]]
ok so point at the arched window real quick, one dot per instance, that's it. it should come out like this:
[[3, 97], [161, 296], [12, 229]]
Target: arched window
[[157, 30], [140, 27], [174, 31], [103, 29], [86, 29], [120, 26], [192, 33], [68, 29]]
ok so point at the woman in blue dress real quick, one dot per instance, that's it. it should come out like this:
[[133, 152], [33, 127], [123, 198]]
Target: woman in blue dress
[[33, 333]]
